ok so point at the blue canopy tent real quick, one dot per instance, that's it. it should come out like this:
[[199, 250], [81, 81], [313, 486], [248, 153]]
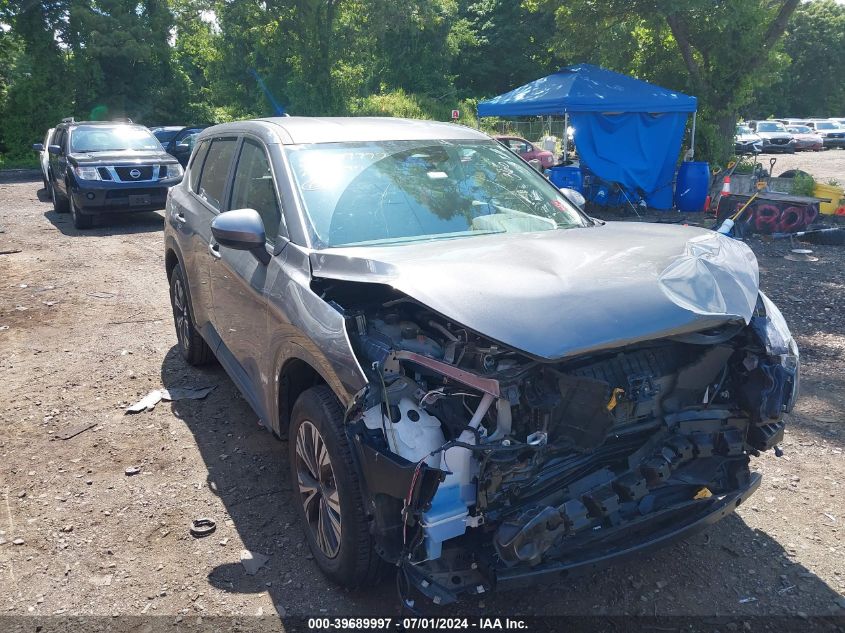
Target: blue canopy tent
[[628, 131]]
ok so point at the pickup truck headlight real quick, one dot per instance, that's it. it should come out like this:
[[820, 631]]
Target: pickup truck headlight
[[86, 173], [172, 170], [774, 333]]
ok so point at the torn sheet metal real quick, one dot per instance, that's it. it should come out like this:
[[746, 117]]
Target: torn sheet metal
[[148, 402], [558, 294]]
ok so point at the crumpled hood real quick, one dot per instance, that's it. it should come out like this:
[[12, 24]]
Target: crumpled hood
[[563, 293]]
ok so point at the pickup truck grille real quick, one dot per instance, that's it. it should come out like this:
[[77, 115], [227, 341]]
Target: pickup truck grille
[[836, 135], [133, 174]]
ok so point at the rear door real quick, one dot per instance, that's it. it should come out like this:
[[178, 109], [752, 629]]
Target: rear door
[[195, 204], [58, 164], [238, 278]]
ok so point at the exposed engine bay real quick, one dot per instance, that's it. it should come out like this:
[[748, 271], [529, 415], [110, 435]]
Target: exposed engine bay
[[483, 464]]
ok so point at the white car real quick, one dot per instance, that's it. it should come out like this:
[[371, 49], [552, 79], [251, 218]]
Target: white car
[[44, 157], [746, 141], [832, 133]]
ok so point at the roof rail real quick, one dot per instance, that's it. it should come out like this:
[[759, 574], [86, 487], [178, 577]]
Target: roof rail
[[68, 119]]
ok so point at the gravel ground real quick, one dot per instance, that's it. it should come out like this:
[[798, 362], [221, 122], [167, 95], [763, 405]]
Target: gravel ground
[[85, 329], [823, 166]]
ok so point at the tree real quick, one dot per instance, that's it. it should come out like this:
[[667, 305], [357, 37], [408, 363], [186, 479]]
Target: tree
[[719, 51], [813, 81], [504, 45], [36, 92]]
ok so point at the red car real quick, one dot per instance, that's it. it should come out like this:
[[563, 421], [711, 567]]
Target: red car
[[527, 150], [806, 138]]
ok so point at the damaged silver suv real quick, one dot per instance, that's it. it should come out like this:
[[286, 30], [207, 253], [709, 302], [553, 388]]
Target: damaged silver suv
[[481, 386]]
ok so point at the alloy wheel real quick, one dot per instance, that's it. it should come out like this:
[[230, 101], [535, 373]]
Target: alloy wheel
[[181, 315], [318, 488]]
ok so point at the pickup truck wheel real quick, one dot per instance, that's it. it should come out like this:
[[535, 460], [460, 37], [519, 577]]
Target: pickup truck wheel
[[329, 501], [79, 221], [192, 345], [60, 203]]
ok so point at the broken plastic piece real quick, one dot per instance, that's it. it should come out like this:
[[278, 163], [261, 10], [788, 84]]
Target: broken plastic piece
[[149, 401]]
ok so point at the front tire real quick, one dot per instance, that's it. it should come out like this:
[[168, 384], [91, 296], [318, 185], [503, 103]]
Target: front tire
[[60, 203], [329, 503], [80, 221]]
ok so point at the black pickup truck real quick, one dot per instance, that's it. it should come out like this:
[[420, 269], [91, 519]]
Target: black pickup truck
[[106, 167]]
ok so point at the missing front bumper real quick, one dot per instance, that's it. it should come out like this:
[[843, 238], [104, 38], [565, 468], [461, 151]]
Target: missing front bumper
[[599, 556], [612, 546]]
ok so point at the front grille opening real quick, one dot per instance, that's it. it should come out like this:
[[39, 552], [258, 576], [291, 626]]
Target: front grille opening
[[104, 173], [134, 174]]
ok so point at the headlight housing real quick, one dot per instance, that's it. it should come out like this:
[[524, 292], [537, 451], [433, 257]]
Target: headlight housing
[[172, 170], [86, 173], [780, 345]]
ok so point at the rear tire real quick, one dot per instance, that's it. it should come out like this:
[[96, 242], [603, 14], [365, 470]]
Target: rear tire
[[191, 344], [80, 221], [329, 502]]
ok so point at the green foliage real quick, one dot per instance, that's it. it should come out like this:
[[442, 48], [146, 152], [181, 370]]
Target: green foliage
[[398, 103], [812, 82], [721, 52], [197, 61], [803, 184], [744, 165]]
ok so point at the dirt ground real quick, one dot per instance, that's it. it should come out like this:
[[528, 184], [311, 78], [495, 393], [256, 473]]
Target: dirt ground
[[85, 330]]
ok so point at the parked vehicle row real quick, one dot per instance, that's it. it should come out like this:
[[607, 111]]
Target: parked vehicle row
[[789, 135]]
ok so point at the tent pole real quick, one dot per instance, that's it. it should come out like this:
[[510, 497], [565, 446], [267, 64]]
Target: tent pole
[[692, 140], [565, 137]]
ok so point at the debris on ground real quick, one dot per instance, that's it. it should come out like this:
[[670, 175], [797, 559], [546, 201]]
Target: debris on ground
[[202, 527], [252, 561], [76, 431], [148, 402], [101, 581], [132, 470]]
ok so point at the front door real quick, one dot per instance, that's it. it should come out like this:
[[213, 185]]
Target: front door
[[238, 278]]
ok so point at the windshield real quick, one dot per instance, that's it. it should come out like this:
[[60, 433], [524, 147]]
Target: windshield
[[826, 125], [103, 138], [388, 192], [800, 129], [741, 129], [770, 126]]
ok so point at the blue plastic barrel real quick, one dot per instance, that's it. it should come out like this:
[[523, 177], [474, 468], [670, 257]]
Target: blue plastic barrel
[[569, 177], [692, 186]]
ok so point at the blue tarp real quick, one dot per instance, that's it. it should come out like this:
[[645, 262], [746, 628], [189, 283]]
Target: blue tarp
[[586, 88], [627, 131]]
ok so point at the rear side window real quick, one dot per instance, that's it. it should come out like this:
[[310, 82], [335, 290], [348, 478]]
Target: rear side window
[[212, 183], [196, 165], [254, 187], [60, 139]]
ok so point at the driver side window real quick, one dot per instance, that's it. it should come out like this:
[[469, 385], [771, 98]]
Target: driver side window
[[254, 187]]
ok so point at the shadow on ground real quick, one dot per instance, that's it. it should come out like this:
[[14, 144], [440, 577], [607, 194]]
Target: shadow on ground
[[730, 569], [109, 224]]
